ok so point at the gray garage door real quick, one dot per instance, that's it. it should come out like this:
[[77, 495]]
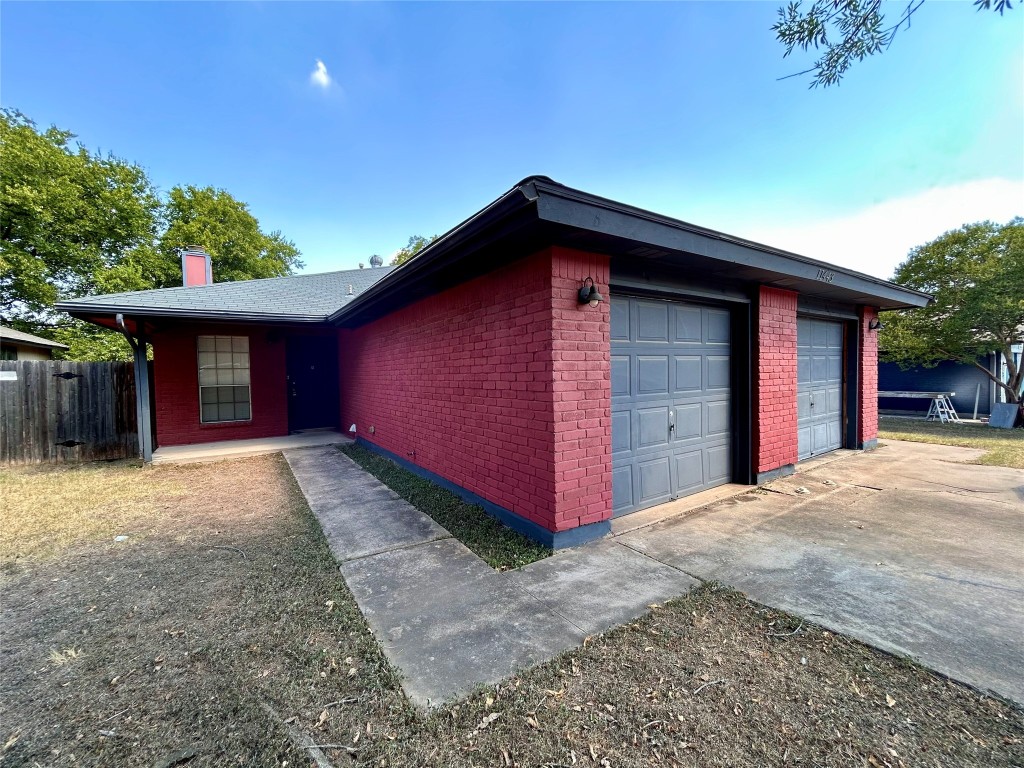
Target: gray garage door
[[819, 346], [670, 401]]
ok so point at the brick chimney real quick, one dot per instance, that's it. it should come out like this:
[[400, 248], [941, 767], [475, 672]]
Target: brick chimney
[[195, 267]]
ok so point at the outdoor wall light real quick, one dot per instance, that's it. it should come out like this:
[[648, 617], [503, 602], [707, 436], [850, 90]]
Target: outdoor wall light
[[875, 324], [589, 295]]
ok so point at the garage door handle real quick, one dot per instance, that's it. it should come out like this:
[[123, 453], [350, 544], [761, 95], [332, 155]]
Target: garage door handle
[[671, 420]]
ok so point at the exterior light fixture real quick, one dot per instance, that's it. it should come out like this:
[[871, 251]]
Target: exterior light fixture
[[875, 324], [589, 294]]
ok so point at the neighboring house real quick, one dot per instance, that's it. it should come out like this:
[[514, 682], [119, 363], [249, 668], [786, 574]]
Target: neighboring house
[[966, 381], [18, 345], [700, 358]]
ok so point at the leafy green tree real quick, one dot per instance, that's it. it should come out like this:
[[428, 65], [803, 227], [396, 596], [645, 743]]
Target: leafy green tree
[[66, 217], [976, 274], [227, 230], [74, 223], [416, 244], [846, 31]]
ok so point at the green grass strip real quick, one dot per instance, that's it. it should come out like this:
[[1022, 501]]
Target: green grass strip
[[498, 545]]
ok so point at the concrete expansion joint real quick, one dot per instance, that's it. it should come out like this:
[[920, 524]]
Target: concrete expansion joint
[[683, 571], [396, 548]]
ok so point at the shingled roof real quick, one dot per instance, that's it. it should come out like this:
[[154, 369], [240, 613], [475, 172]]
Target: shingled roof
[[27, 339], [297, 298]]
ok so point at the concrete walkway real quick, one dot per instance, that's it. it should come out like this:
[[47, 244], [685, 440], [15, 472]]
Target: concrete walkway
[[447, 620]]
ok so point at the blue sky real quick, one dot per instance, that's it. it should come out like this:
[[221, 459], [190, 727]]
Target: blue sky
[[432, 110]]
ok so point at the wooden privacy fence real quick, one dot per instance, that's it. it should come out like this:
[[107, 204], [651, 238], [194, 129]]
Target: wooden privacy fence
[[58, 411]]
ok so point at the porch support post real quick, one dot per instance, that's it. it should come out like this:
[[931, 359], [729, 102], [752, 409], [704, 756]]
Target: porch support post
[[142, 412], [143, 420]]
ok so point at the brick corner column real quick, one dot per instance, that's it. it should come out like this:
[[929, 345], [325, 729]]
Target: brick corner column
[[581, 397], [775, 384], [867, 394]]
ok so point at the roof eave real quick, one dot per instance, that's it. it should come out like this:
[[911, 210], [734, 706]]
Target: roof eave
[[570, 207], [87, 311]]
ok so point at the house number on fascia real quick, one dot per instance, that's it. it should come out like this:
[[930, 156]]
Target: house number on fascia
[[826, 275]]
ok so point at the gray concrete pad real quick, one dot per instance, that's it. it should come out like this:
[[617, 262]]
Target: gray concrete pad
[[359, 515], [601, 585], [907, 551], [449, 622]]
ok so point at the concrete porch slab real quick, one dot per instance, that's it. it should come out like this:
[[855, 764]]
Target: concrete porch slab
[[358, 514], [601, 585], [234, 449], [450, 622]]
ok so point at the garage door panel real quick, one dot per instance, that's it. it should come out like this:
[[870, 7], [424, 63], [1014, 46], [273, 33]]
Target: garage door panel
[[652, 374], [834, 398], [819, 369], [688, 421], [718, 419], [622, 488], [819, 386], [652, 321], [621, 379], [652, 427], [620, 319], [688, 373], [718, 326], [718, 367], [719, 465], [803, 405], [622, 431], [655, 479], [688, 324], [689, 470], [835, 367], [670, 365], [803, 369], [803, 441]]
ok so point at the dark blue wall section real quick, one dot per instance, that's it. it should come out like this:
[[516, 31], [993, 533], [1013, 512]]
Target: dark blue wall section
[[945, 377]]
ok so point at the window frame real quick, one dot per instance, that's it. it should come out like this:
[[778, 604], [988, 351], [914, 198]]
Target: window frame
[[199, 375]]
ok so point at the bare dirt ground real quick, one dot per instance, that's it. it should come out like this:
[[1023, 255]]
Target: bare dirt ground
[[223, 621]]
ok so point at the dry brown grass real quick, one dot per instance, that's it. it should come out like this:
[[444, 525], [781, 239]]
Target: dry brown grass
[[177, 639], [48, 509]]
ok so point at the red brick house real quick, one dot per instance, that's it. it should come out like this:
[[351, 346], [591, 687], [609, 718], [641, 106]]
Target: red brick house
[[689, 359]]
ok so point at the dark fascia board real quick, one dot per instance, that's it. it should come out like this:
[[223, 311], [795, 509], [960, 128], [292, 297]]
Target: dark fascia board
[[88, 311], [561, 205], [574, 208]]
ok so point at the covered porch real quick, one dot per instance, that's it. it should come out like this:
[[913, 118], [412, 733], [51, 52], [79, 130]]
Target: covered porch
[[233, 449]]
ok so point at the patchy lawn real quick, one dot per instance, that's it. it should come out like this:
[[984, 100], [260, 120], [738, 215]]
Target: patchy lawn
[[499, 546], [174, 644], [1003, 447]]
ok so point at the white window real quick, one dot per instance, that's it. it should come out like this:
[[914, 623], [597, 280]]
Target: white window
[[224, 379]]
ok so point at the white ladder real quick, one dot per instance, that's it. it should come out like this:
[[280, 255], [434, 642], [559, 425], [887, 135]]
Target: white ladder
[[942, 410]]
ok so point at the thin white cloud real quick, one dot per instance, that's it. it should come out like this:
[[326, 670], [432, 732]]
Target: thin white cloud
[[319, 76], [876, 239]]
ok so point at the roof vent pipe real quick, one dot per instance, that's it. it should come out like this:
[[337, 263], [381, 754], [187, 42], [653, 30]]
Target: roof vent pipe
[[350, 289]]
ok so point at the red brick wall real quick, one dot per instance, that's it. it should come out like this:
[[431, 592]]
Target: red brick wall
[[500, 385], [176, 384], [582, 394], [775, 430], [867, 397]]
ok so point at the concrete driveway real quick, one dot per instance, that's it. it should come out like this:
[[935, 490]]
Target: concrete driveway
[[906, 548]]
